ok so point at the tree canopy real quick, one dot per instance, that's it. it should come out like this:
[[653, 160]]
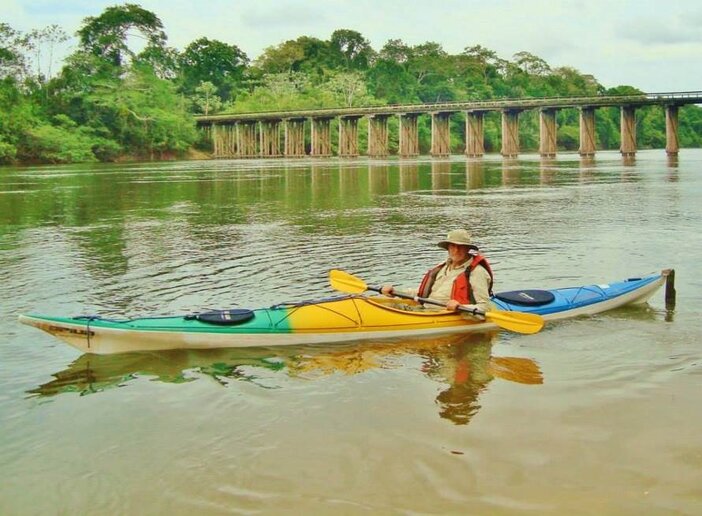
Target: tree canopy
[[107, 35]]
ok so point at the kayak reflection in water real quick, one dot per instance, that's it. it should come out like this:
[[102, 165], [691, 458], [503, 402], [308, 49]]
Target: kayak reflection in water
[[463, 362], [464, 279]]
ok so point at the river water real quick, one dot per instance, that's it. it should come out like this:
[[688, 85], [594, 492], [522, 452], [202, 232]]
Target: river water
[[598, 415]]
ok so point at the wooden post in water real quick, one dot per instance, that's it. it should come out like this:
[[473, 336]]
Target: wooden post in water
[[669, 288], [378, 136], [587, 132], [440, 135], [672, 144], [409, 135], [321, 137], [510, 133], [628, 131], [547, 133], [348, 136], [294, 140], [475, 134]]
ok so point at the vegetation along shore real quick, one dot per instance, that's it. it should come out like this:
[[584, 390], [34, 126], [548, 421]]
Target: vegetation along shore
[[108, 101]]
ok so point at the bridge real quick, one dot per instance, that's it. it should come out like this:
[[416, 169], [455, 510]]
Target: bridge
[[256, 135]]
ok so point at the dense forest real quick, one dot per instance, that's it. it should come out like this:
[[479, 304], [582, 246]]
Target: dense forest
[[111, 100]]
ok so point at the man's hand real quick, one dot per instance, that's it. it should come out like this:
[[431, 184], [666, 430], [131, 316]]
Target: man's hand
[[387, 290], [452, 305]]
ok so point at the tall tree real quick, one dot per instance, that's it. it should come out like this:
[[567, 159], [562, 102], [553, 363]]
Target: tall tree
[[206, 98], [349, 89], [12, 47], [107, 35], [209, 60], [353, 51], [44, 43], [304, 54], [531, 64], [285, 57]]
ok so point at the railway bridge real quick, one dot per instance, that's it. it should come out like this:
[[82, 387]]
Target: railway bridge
[[282, 133]]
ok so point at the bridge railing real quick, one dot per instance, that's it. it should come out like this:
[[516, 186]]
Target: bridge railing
[[685, 97]]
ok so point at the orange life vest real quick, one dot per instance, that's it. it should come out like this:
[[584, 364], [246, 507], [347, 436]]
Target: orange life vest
[[461, 290]]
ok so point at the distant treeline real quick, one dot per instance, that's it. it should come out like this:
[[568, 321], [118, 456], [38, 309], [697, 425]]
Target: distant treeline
[[108, 101]]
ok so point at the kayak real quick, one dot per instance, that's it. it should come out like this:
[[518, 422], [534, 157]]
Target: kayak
[[336, 319]]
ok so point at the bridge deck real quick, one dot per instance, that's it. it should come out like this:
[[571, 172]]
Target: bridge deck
[[643, 99]]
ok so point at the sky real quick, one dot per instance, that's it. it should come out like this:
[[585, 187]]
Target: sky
[[654, 45]]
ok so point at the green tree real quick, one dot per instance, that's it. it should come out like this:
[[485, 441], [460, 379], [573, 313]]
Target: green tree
[[106, 35], [283, 91], [531, 64], [305, 54], [43, 43], [348, 89], [388, 78], [142, 113], [12, 46], [206, 98], [285, 57], [352, 50], [206, 60]]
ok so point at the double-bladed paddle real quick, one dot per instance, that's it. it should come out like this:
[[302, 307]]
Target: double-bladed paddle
[[519, 322]]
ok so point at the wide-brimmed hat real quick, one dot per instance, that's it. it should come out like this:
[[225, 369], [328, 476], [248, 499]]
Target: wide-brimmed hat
[[457, 236]]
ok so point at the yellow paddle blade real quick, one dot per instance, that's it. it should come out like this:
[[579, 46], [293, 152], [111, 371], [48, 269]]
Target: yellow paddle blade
[[516, 369], [516, 321], [345, 282]]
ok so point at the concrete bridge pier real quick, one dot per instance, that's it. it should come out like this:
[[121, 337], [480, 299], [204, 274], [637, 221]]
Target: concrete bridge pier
[[378, 136], [672, 144], [294, 140], [348, 136], [475, 134], [216, 140], [440, 135], [224, 140], [510, 133], [229, 149], [587, 132], [321, 137], [246, 139], [548, 145], [628, 131], [269, 139], [409, 135]]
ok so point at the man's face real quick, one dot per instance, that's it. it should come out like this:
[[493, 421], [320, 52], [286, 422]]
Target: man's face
[[458, 253]]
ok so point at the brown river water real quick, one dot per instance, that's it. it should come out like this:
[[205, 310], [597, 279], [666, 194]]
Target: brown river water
[[597, 415]]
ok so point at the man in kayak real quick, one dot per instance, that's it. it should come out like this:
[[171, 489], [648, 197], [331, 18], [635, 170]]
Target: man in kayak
[[464, 279]]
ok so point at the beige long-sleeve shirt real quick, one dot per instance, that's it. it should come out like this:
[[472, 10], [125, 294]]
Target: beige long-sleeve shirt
[[443, 285]]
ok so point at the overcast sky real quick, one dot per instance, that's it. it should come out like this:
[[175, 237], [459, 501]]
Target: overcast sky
[[654, 45]]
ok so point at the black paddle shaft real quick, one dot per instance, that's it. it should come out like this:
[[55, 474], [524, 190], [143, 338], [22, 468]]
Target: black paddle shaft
[[424, 300]]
